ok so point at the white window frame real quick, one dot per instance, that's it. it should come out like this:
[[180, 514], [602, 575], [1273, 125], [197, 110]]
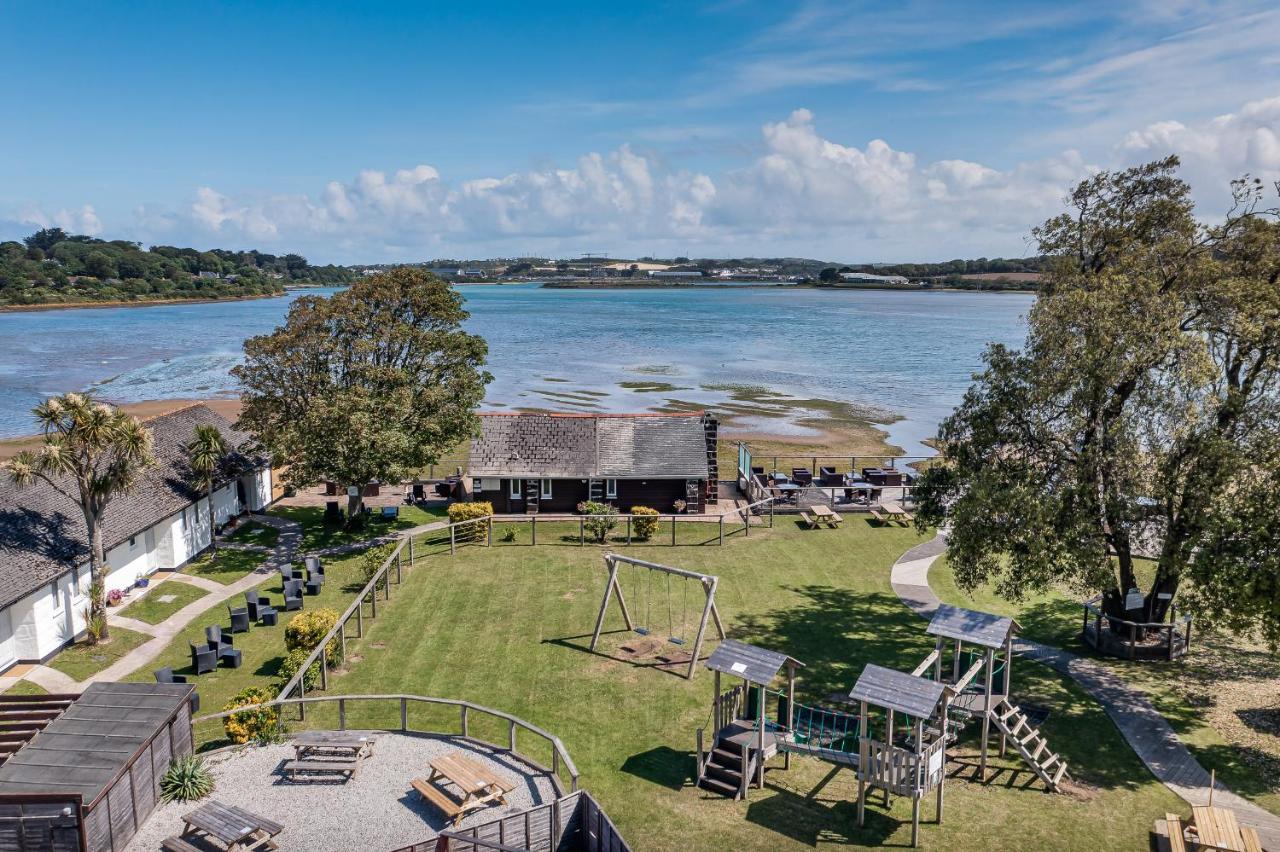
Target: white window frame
[[56, 588], [611, 489], [546, 489], [513, 488]]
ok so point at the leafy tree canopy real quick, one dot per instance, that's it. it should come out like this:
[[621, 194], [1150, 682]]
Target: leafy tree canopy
[[375, 382], [1141, 418]]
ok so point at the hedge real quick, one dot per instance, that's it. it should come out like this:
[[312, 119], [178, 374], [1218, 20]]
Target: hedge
[[645, 525], [459, 512]]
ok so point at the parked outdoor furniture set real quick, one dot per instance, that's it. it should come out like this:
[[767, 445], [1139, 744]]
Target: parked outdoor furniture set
[[329, 753], [479, 786]]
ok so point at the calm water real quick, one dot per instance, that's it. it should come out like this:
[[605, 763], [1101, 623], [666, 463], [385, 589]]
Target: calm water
[[900, 353]]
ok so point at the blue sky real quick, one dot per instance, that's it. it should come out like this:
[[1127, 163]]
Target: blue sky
[[851, 131]]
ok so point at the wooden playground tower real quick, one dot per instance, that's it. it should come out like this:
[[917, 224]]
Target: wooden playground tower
[[916, 715]]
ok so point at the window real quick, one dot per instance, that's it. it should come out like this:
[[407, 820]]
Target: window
[[515, 489], [57, 598], [133, 540], [546, 489], [611, 489], [477, 485], [184, 520]]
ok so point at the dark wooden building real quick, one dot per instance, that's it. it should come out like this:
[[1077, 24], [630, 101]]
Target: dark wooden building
[[529, 463], [90, 775]]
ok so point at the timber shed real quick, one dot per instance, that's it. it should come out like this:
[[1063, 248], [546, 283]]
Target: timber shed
[[91, 776]]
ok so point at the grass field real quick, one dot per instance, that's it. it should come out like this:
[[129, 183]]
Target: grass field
[[26, 687], [80, 660], [508, 627], [1196, 694], [255, 533], [316, 535], [151, 609]]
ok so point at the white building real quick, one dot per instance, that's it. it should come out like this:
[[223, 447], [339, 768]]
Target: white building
[[868, 278], [159, 525]]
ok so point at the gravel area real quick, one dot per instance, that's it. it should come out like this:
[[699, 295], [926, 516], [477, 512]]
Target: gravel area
[[377, 811]]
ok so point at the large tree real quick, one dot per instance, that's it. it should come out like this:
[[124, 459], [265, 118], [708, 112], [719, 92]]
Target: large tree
[[91, 452], [1142, 417], [375, 382]]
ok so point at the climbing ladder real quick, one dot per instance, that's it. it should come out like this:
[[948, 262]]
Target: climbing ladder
[[1030, 743]]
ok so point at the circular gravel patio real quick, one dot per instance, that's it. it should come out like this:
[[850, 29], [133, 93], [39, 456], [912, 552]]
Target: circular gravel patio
[[377, 811]]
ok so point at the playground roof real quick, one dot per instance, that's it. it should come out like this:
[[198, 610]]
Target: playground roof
[[897, 691], [967, 625], [758, 665]]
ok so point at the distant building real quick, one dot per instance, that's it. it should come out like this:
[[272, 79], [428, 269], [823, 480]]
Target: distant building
[[868, 278], [205, 273], [158, 526], [674, 273]]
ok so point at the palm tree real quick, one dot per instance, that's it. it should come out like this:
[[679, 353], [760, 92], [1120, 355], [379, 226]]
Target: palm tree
[[91, 452], [206, 455]]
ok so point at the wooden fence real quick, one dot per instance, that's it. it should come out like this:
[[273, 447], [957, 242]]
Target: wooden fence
[[572, 823], [1100, 632], [560, 762]]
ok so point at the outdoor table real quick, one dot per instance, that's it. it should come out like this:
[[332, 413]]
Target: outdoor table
[[479, 786], [230, 826], [1216, 828], [893, 509], [356, 743], [790, 491], [825, 514]]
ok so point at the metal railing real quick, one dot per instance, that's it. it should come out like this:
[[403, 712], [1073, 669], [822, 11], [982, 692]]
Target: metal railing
[[560, 760]]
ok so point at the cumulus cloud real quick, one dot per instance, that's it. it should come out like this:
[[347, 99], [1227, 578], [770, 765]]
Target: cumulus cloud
[[801, 193], [81, 220]]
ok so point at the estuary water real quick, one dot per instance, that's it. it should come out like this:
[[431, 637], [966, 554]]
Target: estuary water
[[757, 353]]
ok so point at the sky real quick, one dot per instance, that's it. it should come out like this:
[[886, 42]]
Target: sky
[[849, 131]]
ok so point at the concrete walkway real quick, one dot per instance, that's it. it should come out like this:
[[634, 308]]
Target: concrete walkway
[[1147, 732], [284, 552]]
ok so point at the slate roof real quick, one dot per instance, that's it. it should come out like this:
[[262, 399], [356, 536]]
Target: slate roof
[[980, 628], [88, 746], [42, 533], [612, 446], [757, 665], [899, 691]]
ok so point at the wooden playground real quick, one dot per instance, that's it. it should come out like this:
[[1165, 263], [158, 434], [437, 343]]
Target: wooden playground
[[893, 728]]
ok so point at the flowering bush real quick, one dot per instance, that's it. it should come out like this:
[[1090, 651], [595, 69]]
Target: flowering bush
[[258, 725], [459, 512], [601, 518], [306, 630], [114, 597], [644, 525]]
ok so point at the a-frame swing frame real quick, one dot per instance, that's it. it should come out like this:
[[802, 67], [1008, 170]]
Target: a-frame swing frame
[[613, 587]]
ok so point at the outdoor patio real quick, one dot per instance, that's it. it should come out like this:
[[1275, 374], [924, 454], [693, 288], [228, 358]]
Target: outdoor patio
[[379, 809]]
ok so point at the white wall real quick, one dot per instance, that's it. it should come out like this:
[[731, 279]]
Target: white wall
[[44, 621]]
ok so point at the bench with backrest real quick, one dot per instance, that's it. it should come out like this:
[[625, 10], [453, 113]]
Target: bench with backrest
[[439, 798]]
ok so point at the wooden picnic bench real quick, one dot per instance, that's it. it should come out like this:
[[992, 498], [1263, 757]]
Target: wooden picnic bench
[[811, 523], [480, 786], [333, 766], [1216, 828], [326, 743], [229, 825], [880, 519], [825, 515]]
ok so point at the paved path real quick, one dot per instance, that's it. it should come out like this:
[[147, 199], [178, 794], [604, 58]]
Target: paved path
[[1146, 731], [162, 634]]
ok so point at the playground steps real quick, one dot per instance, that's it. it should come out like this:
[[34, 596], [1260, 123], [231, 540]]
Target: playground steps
[[1030, 743], [722, 771]]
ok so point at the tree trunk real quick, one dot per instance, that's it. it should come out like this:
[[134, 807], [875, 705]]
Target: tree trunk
[[97, 575], [213, 528]]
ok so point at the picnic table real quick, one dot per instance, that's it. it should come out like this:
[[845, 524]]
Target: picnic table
[[350, 743], [826, 515], [480, 786], [229, 825], [1216, 828]]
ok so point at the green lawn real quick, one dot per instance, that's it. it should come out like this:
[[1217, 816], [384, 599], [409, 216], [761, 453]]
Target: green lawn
[[80, 660], [152, 610], [255, 533], [262, 647], [227, 567], [1185, 691], [316, 535], [508, 627], [26, 687]]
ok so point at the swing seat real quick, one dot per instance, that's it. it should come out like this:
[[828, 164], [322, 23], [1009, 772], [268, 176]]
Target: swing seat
[[643, 631], [675, 640]]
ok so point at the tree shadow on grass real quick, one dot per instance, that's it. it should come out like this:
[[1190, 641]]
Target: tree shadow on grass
[[663, 766]]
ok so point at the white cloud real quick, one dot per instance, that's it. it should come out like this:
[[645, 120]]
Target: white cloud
[[81, 220]]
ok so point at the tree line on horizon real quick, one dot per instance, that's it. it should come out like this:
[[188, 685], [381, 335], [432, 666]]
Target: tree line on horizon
[[52, 267]]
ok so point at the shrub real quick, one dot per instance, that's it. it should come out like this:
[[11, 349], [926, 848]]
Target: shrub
[[308, 628], [459, 512], [371, 561], [293, 661], [186, 780], [601, 519], [509, 534], [644, 525], [259, 725]]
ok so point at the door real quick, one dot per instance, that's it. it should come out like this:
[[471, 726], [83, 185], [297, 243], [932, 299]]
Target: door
[[8, 647]]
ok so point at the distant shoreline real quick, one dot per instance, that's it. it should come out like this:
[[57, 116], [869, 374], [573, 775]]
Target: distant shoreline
[[627, 284], [150, 303]]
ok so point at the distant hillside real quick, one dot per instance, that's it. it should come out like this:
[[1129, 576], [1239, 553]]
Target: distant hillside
[[53, 267]]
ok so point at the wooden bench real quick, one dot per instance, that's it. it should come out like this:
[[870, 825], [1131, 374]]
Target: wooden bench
[[1249, 835], [879, 517], [293, 768], [834, 519], [440, 799], [1173, 823], [177, 844], [811, 523]]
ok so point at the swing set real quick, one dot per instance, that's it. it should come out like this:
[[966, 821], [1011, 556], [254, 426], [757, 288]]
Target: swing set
[[643, 575]]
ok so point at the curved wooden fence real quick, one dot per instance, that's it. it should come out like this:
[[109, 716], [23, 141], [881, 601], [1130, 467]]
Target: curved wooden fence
[[1100, 632], [560, 760]]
